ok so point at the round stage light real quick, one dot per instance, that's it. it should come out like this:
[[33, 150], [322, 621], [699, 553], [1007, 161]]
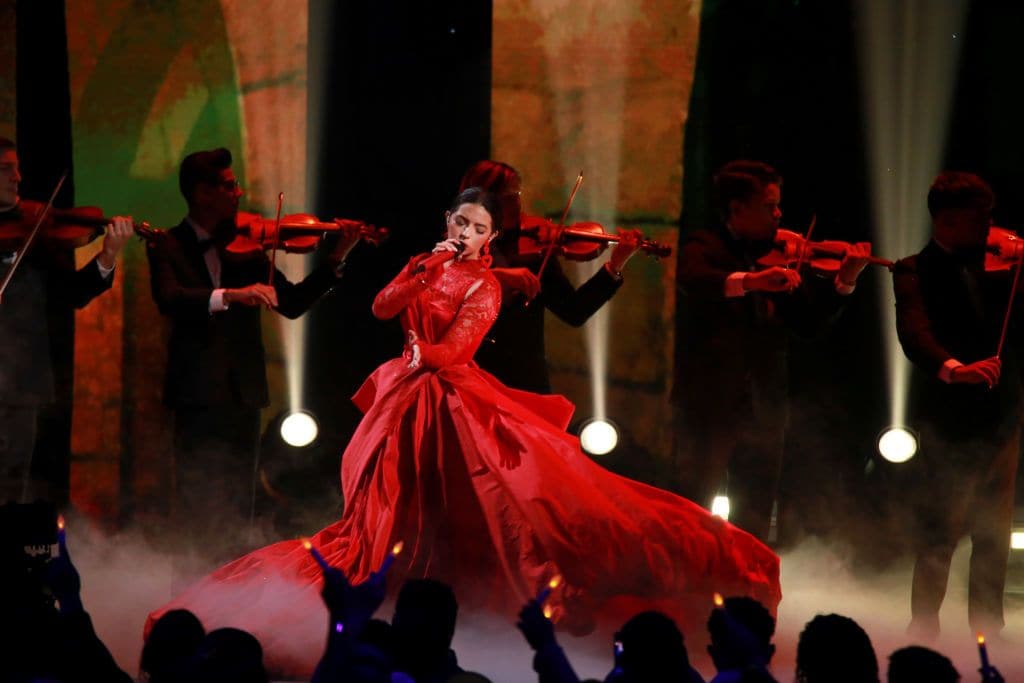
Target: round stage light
[[897, 444], [299, 429], [599, 437], [1017, 540], [720, 507]]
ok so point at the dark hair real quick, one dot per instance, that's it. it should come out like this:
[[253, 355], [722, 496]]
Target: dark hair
[[175, 637], [836, 649], [476, 195], [374, 659], [916, 663], [427, 601], [739, 180], [230, 654], [494, 176], [377, 633], [469, 677], [652, 646], [7, 143], [202, 167], [756, 674], [750, 614], [959, 190]]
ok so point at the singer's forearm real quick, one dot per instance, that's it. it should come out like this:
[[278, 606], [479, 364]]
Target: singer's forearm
[[400, 292]]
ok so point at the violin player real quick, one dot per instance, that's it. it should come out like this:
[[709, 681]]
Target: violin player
[[45, 281], [216, 381], [730, 391], [951, 312], [514, 349]]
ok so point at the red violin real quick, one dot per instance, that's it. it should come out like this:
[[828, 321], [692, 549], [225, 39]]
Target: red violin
[[298, 233], [792, 249], [60, 229], [1003, 249], [581, 241]]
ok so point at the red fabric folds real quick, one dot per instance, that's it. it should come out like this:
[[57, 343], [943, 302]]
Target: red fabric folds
[[489, 493]]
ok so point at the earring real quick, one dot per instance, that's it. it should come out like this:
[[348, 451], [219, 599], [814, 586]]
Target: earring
[[485, 255]]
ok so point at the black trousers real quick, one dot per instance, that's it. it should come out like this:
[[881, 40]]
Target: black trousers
[[215, 458], [17, 442], [962, 489], [733, 444]]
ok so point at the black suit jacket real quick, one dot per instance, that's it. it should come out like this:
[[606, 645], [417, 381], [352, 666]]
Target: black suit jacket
[[947, 309], [218, 359], [513, 350], [732, 351], [45, 282]]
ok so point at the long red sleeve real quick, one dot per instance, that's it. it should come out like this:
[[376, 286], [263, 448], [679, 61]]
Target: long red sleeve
[[463, 337], [398, 294]]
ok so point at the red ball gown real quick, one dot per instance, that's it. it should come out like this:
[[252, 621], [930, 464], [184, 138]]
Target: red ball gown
[[489, 493]]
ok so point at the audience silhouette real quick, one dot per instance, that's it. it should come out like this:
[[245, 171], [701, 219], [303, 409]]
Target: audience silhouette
[[835, 649], [171, 646], [913, 664], [53, 639], [741, 640]]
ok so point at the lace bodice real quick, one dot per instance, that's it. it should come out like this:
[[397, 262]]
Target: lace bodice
[[450, 309]]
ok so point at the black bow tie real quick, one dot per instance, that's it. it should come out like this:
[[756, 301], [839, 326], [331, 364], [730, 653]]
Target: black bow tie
[[969, 258]]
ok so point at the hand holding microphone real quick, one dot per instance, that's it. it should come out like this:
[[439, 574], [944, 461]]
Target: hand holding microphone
[[443, 252]]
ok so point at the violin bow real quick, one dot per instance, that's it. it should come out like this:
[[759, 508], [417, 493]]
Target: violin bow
[[277, 240], [561, 225], [1009, 304], [807, 242], [31, 236]]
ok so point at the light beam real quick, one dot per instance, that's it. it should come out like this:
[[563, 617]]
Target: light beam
[[909, 53]]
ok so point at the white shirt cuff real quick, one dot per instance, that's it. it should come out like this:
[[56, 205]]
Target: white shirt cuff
[[217, 301], [104, 272], [734, 285], [844, 288], [946, 371]]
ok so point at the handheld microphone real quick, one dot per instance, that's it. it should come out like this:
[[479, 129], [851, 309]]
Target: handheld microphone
[[438, 258]]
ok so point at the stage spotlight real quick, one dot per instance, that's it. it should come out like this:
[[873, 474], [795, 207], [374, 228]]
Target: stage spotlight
[[897, 444], [720, 507], [598, 437], [908, 90], [299, 429], [1017, 540]]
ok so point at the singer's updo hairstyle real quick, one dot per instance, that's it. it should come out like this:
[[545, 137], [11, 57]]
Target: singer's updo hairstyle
[[481, 197]]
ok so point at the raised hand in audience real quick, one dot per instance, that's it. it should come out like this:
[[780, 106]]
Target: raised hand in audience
[[549, 660]]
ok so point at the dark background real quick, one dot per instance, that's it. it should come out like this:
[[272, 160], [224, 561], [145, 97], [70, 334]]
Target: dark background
[[409, 107]]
